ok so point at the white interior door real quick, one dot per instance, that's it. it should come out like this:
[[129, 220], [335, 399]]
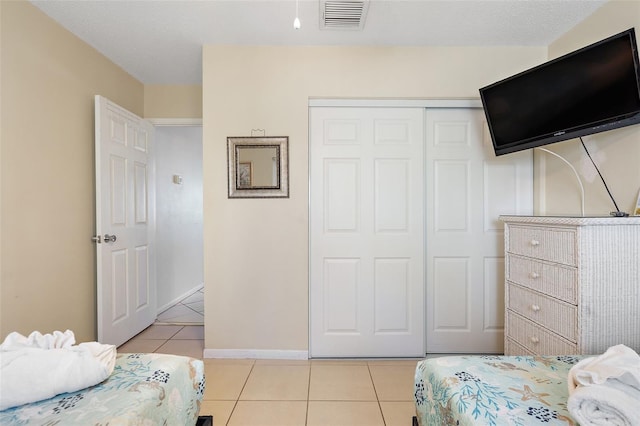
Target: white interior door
[[366, 232], [125, 219], [468, 189]]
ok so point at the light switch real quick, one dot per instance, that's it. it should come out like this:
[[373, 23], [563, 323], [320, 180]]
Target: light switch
[[177, 179]]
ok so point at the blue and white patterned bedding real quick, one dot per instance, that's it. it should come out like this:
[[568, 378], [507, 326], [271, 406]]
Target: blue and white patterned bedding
[[144, 389], [493, 390]]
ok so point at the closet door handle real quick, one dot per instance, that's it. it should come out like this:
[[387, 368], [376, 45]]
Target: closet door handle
[[534, 340], [535, 308], [534, 275], [535, 243]]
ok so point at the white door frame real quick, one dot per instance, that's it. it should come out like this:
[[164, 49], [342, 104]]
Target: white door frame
[[175, 122], [400, 103]]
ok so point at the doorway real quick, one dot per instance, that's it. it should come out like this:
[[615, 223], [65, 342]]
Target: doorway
[[179, 210]]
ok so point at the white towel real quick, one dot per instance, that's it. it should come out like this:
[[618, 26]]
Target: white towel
[[605, 390], [42, 366]]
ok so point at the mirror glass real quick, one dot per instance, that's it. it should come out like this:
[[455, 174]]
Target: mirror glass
[[258, 167]]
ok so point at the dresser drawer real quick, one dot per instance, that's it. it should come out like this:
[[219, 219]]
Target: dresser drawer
[[553, 279], [535, 338], [552, 244], [559, 317], [512, 348]]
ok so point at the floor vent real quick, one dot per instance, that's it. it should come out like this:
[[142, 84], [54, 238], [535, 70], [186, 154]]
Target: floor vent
[[343, 14]]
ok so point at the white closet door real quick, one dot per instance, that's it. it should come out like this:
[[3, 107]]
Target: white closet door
[[468, 188], [366, 232]]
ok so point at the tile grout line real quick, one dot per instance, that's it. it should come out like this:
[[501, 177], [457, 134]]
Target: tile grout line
[[306, 414], [171, 319], [253, 364], [170, 338], [183, 304], [174, 334], [373, 383], [189, 307]]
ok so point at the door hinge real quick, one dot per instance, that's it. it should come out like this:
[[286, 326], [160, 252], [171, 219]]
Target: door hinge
[[96, 239]]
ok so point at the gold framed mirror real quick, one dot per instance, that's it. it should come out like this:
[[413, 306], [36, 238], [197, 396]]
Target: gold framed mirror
[[258, 166]]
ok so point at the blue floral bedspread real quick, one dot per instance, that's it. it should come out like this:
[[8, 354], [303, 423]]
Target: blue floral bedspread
[[493, 390], [144, 389]]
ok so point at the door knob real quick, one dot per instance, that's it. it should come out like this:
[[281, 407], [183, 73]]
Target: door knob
[[109, 238]]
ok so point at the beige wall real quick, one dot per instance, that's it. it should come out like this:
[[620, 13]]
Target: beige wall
[[256, 251], [48, 80], [172, 101], [617, 152]]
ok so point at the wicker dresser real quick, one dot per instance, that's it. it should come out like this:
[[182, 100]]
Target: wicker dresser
[[572, 284]]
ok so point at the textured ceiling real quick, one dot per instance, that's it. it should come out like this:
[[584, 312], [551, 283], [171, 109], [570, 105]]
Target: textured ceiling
[[160, 41]]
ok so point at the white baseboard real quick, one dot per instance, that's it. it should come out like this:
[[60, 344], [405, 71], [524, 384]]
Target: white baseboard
[[161, 309], [255, 354]]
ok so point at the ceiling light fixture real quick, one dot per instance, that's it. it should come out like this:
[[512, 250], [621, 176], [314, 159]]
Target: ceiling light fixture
[[296, 22]]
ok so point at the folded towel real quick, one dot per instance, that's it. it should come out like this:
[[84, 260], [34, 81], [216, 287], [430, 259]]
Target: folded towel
[[42, 366], [57, 339], [605, 390], [613, 404]]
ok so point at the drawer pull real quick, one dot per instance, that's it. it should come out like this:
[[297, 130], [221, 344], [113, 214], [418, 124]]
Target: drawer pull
[[534, 340], [535, 308], [535, 243], [534, 275]]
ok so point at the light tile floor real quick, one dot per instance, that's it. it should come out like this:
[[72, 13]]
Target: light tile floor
[[247, 392], [189, 311]]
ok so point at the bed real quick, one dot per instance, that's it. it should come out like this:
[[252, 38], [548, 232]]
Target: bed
[[144, 389], [493, 390]]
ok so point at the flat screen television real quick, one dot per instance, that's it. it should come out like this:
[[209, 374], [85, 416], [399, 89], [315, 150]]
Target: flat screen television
[[590, 90]]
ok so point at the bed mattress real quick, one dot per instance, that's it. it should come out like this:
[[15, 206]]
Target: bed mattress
[[493, 390], [144, 389]]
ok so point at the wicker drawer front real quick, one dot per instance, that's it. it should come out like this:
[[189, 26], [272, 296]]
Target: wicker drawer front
[[535, 338], [552, 244], [512, 348], [550, 278], [551, 313]]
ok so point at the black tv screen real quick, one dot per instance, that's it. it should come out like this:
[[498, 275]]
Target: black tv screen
[[591, 90]]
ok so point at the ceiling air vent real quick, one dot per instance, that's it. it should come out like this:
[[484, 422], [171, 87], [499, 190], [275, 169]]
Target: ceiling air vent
[[343, 14]]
